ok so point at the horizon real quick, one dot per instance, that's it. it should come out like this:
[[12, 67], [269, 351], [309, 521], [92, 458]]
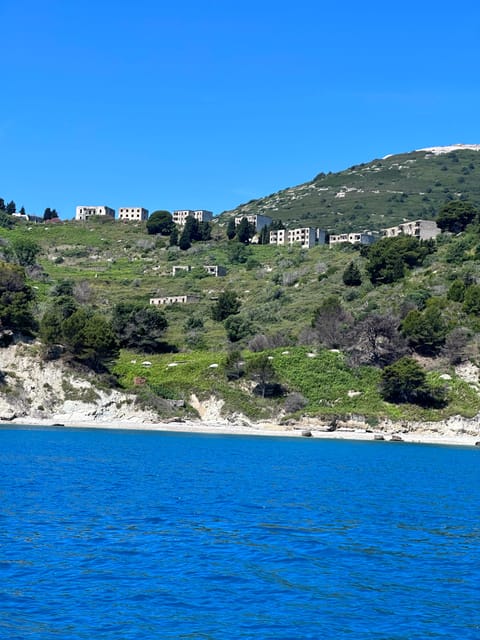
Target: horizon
[[207, 105]]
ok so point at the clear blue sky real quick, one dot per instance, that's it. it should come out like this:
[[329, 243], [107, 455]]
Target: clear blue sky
[[207, 104]]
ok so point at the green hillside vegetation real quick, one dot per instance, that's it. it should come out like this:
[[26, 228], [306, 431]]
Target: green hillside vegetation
[[328, 331], [376, 194]]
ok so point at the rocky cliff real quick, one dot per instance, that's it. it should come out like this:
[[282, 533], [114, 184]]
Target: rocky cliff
[[38, 391], [33, 391]]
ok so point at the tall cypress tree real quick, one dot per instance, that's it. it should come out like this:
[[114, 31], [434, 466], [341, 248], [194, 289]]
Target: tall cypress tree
[[231, 229], [352, 276], [11, 207], [185, 241], [174, 237]]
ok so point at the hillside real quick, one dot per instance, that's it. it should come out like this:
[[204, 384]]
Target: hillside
[[377, 194], [279, 290], [303, 342]]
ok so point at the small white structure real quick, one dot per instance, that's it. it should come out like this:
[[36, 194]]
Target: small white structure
[[83, 212], [202, 215], [215, 270], [133, 213], [306, 237], [165, 300], [421, 229], [180, 268], [352, 238], [257, 220]]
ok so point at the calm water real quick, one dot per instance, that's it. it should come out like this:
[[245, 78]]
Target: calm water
[[119, 535]]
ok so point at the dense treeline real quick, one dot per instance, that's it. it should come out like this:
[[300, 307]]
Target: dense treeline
[[7, 209]]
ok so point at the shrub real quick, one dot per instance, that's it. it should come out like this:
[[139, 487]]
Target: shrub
[[238, 327], [405, 381], [295, 402], [16, 299], [425, 330], [192, 323], [227, 304], [331, 322], [456, 345], [456, 291], [352, 276], [160, 222], [471, 303], [261, 370], [388, 258], [140, 327], [455, 216], [234, 365], [376, 341], [6, 221]]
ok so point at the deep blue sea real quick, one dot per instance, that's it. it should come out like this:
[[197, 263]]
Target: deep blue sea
[[122, 534]]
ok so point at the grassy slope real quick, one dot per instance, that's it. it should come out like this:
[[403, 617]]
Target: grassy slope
[[377, 194], [279, 287], [324, 380]]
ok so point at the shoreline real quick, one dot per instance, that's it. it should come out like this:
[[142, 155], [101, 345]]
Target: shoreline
[[259, 430]]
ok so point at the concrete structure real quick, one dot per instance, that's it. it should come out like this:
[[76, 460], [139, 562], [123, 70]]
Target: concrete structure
[[185, 299], [215, 270], [306, 237], [83, 212], [202, 215], [257, 220], [133, 213], [352, 238], [421, 229], [180, 268]]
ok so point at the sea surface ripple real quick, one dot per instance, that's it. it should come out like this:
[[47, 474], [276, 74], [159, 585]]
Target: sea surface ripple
[[129, 535]]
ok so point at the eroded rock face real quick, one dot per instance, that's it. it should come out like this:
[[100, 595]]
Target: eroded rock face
[[469, 372], [39, 390], [209, 410], [32, 390], [7, 412]]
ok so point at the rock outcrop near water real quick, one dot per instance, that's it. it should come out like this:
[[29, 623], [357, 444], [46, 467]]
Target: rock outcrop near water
[[35, 390]]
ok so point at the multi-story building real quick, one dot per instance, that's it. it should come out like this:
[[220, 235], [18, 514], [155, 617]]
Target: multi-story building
[[202, 215], [185, 299], [352, 238], [421, 229], [133, 213], [83, 212], [255, 219], [306, 237]]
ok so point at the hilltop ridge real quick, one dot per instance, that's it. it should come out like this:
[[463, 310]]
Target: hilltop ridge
[[450, 148], [377, 194]]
